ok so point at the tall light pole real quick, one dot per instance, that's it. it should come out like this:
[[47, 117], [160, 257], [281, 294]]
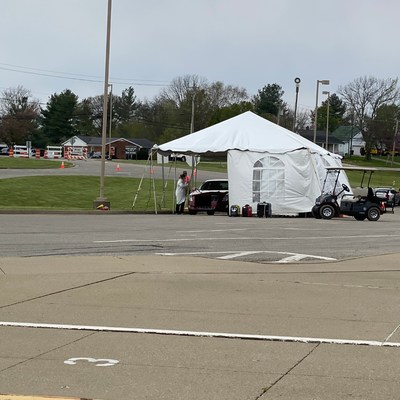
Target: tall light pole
[[327, 119], [192, 117], [297, 82], [322, 82], [109, 128], [101, 197], [191, 131], [394, 140]]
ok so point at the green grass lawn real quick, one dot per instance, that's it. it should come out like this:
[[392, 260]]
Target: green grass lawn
[[379, 178], [31, 163], [79, 192]]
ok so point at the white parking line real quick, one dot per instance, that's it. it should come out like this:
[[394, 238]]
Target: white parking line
[[269, 338], [293, 257], [307, 238], [214, 230]]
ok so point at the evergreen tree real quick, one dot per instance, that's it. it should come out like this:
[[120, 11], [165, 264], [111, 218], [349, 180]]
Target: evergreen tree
[[268, 102], [58, 121], [85, 120], [337, 109], [124, 107]]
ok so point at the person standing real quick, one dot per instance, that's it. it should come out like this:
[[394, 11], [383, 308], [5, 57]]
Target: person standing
[[180, 192]]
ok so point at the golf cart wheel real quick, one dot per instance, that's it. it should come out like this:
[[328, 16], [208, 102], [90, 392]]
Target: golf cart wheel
[[211, 212], [327, 211], [360, 217], [373, 214], [192, 212], [315, 213]]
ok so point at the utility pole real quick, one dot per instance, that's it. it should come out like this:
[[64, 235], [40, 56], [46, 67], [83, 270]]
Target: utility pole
[[100, 202]]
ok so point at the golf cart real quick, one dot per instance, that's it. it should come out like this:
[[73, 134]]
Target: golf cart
[[335, 201]]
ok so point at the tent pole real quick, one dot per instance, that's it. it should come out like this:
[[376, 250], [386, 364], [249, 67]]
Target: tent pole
[[153, 181], [163, 182]]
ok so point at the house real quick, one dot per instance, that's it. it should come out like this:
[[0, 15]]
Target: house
[[121, 148], [334, 143], [352, 140]]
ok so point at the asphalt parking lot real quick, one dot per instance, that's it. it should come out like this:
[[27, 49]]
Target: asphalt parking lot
[[114, 306]]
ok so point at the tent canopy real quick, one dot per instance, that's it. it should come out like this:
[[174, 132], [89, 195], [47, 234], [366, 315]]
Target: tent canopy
[[266, 162], [245, 132]]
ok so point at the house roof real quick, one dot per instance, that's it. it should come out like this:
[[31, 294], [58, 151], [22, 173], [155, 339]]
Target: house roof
[[345, 132], [320, 136], [97, 141]]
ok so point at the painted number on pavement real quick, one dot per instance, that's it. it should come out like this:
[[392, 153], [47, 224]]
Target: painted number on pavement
[[99, 362]]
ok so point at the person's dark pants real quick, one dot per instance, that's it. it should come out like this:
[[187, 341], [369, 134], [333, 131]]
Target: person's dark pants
[[179, 208]]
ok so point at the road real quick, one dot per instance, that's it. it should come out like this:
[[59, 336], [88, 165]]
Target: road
[[126, 306], [112, 306], [246, 239], [91, 167]]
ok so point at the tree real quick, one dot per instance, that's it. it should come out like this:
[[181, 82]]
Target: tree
[[94, 105], [124, 107], [337, 110], [192, 93], [85, 121], [18, 116], [383, 126], [230, 111], [268, 102], [59, 119], [363, 97]]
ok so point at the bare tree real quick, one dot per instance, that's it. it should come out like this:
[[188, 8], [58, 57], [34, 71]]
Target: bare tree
[[363, 98], [220, 95], [181, 89], [18, 115]]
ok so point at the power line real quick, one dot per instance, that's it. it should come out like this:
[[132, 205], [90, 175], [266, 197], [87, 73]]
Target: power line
[[80, 77]]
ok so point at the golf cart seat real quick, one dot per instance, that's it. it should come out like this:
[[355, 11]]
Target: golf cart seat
[[359, 194]]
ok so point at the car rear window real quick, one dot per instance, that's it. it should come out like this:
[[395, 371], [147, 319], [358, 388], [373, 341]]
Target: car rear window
[[214, 185]]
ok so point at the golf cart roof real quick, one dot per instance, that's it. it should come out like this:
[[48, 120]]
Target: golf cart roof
[[365, 169]]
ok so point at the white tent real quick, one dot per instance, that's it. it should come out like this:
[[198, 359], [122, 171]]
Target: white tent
[[265, 162]]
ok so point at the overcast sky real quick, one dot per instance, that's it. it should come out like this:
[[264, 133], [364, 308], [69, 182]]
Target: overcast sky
[[245, 43]]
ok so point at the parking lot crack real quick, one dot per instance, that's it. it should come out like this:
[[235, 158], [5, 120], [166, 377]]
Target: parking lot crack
[[395, 330], [266, 389], [68, 289], [47, 352]]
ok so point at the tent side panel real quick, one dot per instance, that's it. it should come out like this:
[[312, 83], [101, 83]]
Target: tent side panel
[[288, 181]]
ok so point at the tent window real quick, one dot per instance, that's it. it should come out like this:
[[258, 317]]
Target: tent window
[[268, 180]]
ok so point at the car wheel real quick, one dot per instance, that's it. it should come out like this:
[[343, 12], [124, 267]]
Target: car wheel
[[210, 212], [192, 212], [373, 214], [327, 211], [360, 217]]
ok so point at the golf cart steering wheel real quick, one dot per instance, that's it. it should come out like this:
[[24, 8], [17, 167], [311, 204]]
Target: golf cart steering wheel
[[345, 187]]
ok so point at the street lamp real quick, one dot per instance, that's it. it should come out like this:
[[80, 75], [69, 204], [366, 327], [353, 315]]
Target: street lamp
[[191, 131], [297, 82], [322, 82], [192, 116], [109, 128], [394, 140], [327, 119], [101, 200]]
